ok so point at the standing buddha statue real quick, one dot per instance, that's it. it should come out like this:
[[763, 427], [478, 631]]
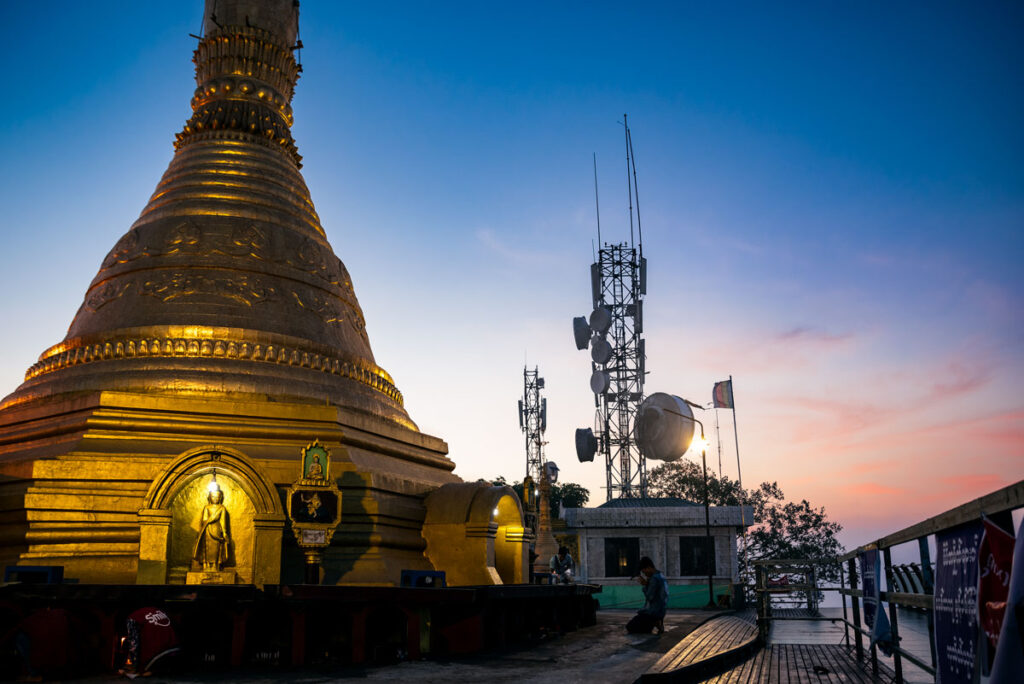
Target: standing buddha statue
[[211, 549]]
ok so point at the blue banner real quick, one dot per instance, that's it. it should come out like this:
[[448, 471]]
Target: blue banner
[[874, 615], [956, 603]]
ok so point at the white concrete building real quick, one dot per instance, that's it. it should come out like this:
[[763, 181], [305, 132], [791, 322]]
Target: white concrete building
[[614, 536]]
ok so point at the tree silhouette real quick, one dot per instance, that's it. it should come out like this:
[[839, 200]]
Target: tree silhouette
[[781, 529]]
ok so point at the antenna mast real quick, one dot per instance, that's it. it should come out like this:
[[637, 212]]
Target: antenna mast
[[636, 193], [614, 334], [533, 421], [597, 204], [629, 183]]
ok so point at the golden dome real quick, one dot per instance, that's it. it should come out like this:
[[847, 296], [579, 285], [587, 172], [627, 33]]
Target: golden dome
[[226, 283]]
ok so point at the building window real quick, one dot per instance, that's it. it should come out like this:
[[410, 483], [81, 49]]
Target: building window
[[621, 556], [695, 555]]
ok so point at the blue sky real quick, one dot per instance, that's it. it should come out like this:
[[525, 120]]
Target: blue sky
[[832, 201]]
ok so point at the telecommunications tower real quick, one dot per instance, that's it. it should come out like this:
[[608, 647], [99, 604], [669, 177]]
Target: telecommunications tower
[[618, 281], [533, 421]]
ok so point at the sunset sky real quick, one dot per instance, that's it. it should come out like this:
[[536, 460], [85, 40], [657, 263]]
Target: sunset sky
[[832, 199]]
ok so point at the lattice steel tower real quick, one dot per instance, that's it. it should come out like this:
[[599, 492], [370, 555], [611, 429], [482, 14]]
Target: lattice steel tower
[[533, 420], [614, 333]]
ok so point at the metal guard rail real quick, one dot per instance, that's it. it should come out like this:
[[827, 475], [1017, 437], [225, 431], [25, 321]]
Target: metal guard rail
[[998, 505]]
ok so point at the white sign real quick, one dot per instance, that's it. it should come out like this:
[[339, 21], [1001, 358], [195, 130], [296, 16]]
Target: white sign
[[314, 536]]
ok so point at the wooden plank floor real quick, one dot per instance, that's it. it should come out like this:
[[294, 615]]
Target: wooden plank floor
[[795, 664], [714, 637], [794, 612]]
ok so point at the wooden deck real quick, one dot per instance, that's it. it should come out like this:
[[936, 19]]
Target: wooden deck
[[800, 664], [727, 650], [709, 647]]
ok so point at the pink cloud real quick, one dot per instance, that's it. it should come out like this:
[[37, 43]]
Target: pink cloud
[[759, 352], [962, 376], [974, 483], [872, 489], [865, 467], [968, 434], [813, 336]]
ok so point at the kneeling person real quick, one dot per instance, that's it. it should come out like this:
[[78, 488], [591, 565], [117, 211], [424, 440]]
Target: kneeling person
[[562, 566], [652, 615]]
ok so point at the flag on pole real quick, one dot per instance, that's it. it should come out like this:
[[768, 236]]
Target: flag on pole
[[722, 394]]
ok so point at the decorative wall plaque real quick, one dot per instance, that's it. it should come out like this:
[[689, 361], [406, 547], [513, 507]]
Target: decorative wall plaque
[[314, 507]]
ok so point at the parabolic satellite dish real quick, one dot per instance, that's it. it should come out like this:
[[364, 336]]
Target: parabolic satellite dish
[[551, 468], [601, 319], [664, 427], [581, 331], [586, 444], [599, 382], [600, 351]]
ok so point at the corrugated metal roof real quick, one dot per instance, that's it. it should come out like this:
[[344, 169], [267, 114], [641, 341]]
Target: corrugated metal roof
[[648, 503]]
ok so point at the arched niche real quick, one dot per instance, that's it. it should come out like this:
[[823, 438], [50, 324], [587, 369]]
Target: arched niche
[[169, 519], [474, 533], [509, 541]]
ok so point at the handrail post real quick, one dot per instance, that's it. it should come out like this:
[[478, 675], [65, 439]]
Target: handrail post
[[762, 597], [812, 597], [858, 638], [929, 588], [842, 597], [897, 660]]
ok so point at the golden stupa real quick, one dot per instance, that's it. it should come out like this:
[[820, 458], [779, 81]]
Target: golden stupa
[[220, 336]]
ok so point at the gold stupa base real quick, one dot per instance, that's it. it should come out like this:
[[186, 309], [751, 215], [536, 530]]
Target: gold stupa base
[[212, 577], [109, 485]]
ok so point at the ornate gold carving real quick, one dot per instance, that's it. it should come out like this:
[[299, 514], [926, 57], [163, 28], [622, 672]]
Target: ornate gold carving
[[246, 82], [243, 289], [249, 51], [312, 258], [105, 294], [185, 238], [77, 352], [248, 240], [254, 119], [244, 90], [322, 306], [126, 249], [333, 306], [344, 279]]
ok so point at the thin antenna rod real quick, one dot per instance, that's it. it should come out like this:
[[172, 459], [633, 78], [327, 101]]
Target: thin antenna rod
[[629, 182], [636, 192], [597, 204], [718, 438], [202, 26]]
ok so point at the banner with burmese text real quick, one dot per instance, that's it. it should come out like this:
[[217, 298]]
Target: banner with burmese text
[[956, 603], [995, 560]]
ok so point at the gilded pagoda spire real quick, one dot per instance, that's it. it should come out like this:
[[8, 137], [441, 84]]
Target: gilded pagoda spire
[[226, 284]]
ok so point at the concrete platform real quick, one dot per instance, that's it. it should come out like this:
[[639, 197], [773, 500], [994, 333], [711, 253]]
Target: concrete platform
[[592, 655]]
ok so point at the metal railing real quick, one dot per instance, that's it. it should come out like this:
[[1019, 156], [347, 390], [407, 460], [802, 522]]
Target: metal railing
[[997, 506]]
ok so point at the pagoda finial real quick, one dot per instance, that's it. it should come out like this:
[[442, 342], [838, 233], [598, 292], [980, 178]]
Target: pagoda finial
[[246, 74]]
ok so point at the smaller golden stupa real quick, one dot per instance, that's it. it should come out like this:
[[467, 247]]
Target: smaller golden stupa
[[220, 336]]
